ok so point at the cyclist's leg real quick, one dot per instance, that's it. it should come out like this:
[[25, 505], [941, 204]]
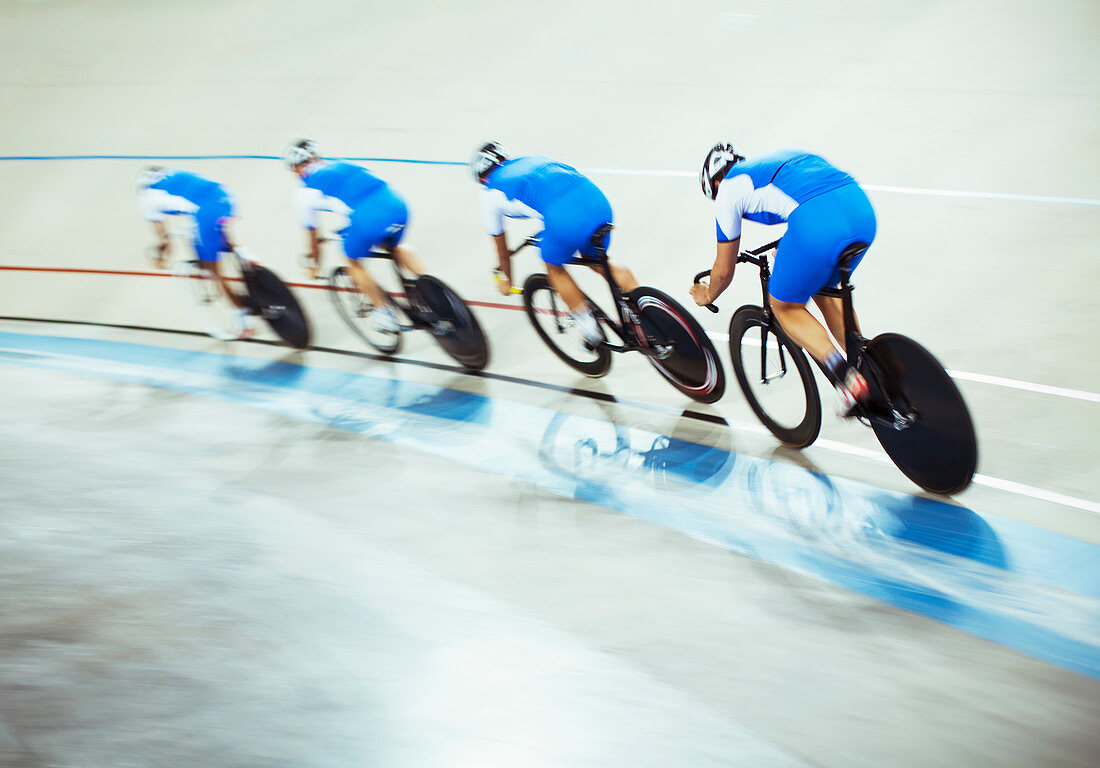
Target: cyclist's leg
[[832, 309], [378, 220], [805, 263], [212, 221], [397, 213]]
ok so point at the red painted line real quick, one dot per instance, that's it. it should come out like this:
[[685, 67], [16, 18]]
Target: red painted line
[[135, 273]]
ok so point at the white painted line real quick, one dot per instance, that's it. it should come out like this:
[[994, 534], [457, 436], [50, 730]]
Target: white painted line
[[878, 456], [1027, 386], [882, 188], [979, 378], [984, 195], [1020, 489]]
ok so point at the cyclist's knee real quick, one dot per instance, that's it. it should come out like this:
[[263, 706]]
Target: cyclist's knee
[[624, 277]]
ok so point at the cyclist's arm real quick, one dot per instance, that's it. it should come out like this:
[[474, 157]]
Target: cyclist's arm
[[163, 240], [721, 274], [307, 203], [314, 245]]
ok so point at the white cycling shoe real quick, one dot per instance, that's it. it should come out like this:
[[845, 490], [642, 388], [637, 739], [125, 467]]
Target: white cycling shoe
[[385, 320], [851, 393]]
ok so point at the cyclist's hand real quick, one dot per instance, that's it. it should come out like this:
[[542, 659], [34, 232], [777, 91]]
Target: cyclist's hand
[[700, 293], [504, 285]]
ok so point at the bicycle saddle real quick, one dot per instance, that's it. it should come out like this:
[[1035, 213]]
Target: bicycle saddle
[[599, 239], [849, 253]]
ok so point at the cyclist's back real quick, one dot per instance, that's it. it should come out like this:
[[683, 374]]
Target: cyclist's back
[[349, 183], [535, 181], [195, 189], [768, 189]]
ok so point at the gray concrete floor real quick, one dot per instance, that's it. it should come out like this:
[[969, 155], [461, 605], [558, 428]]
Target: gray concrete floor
[[186, 582]]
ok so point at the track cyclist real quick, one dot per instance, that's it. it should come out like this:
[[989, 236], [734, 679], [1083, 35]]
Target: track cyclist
[[571, 208], [166, 192], [825, 211], [376, 216]]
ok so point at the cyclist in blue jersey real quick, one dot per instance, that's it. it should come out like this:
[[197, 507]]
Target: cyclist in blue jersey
[[825, 211], [376, 217], [571, 208], [164, 192]]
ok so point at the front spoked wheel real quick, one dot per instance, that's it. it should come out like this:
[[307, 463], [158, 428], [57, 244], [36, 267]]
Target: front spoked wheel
[[776, 378], [686, 357], [557, 328], [452, 323], [205, 302], [359, 314], [275, 303], [920, 417]]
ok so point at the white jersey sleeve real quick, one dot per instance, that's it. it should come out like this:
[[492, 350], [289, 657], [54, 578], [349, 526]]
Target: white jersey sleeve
[[155, 204], [729, 206], [495, 205], [307, 202]]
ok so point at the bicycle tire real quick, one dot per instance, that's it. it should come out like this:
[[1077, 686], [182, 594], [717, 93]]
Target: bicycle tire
[[356, 311], [799, 424], [693, 367], [939, 450], [453, 324], [205, 302], [274, 302], [556, 327]]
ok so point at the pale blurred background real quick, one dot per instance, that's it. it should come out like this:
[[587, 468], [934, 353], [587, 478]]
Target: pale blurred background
[[210, 556]]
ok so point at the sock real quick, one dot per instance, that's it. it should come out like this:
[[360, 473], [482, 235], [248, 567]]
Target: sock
[[837, 366]]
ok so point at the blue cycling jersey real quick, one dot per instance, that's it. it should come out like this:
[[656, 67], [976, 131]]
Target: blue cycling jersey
[[572, 207], [534, 181], [824, 208], [767, 189], [196, 189], [346, 182]]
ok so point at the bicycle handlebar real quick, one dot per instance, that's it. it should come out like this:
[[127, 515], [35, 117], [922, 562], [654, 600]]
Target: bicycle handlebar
[[752, 256], [532, 240], [698, 279]]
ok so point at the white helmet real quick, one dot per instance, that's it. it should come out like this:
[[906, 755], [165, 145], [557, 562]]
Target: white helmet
[[488, 156], [148, 176], [720, 159], [299, 152]]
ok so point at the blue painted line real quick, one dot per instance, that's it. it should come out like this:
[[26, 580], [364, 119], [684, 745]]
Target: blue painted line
[[1027, 198], [1023, 587], [223, 157]]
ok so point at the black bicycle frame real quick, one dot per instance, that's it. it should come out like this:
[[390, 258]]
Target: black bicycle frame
[[625, 313]]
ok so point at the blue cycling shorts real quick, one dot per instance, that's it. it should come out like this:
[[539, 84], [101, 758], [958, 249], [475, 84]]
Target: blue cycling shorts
[[209, 221], [379, 220], [817, 231], [571, 220]]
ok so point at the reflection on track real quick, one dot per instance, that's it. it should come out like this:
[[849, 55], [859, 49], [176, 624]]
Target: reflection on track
[[1009, 582]]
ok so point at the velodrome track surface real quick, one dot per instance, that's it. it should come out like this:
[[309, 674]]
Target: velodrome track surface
[[231, 554]]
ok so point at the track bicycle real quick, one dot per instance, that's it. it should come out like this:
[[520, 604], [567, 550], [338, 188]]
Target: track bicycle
[[646, 321], [265, 295], [427, 304], [914, 408]]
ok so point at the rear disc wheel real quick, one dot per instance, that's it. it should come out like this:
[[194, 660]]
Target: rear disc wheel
[[278, 307], [453, 324], [690, 362], [938, 450]]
